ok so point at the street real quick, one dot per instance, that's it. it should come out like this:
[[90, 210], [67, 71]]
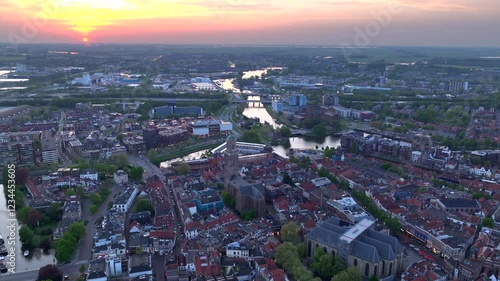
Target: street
[[84, 249], [67, 269], [65, 159], [149, 170]]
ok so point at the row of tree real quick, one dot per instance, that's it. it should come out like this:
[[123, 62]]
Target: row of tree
[[391, 222], [288, 257], [107, 169], [325, 265], [67, 244]]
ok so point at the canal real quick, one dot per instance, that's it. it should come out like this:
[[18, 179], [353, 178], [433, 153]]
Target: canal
[[36, 258]]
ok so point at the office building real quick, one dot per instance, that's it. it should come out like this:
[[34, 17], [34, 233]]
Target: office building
[[297, 100]]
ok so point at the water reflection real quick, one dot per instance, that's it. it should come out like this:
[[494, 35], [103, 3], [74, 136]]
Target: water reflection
[[306, 143], [255, 109], [191, 156]]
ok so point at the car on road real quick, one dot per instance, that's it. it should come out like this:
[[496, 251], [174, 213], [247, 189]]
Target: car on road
[[411, 246], [422, 253]]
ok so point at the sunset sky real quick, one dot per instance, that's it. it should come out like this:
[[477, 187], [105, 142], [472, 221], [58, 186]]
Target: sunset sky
[[269, 22]]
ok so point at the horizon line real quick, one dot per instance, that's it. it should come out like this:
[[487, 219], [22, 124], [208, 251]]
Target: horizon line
[[338, 46]]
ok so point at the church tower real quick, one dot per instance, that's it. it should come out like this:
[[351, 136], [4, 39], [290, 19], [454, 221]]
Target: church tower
[[230, 161]]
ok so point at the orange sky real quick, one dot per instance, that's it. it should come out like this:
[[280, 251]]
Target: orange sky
[[323, 22]]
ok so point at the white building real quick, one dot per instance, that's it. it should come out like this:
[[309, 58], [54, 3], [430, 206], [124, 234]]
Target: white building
[[319, 182], [480, 171], [209, 127], [342, 111], [89, 174], [192, 234], [120, 177], [237, 250], [84, 80], [123, 202], [50, 156], [416, 156], [114, 266], [204, 86], [21, 67]]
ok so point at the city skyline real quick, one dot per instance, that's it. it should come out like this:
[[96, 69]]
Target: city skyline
[[357, 23]]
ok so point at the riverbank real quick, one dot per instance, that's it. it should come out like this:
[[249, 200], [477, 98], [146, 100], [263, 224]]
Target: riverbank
[[182, 151], [276, 116]]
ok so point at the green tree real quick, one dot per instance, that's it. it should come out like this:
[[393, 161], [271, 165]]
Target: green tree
[[95, 198], [36, 241], [80, 191], [22, 214], [290, 232], [288, 180], [250, 136], [135, 173], [302, 250], [329, 152], [425, 115], [350, 274], [94, 209], [338, 266], [228, 199], [183, 169], [65, 247], [488, 222], [82, 269], [393, 225], [144, 205], [105, 169], [322, 263], [152, 153], [139, 250], [77, 229], [122, 160], [373, 278], [26, 235], [70, 192], [288, 258], [319, 130], [285, 131], [50, 272], [248, 215]]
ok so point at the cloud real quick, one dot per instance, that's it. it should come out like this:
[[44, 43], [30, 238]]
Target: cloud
[[443, 5], [99, 4]]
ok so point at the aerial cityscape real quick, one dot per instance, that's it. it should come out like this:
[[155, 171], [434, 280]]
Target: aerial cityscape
[[249, 141]]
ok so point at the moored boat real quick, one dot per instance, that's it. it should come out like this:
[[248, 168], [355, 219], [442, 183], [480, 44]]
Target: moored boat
[[3, 266]]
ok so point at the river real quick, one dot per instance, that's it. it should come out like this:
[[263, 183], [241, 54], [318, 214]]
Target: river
[[227, 84], [190, 156], [36, 258], [255, 109], [307, 142]]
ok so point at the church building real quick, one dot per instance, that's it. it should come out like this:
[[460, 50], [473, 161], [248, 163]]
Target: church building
[[247, 196]]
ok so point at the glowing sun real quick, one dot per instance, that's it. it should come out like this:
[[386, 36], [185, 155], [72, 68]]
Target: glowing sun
[[85, 39]]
